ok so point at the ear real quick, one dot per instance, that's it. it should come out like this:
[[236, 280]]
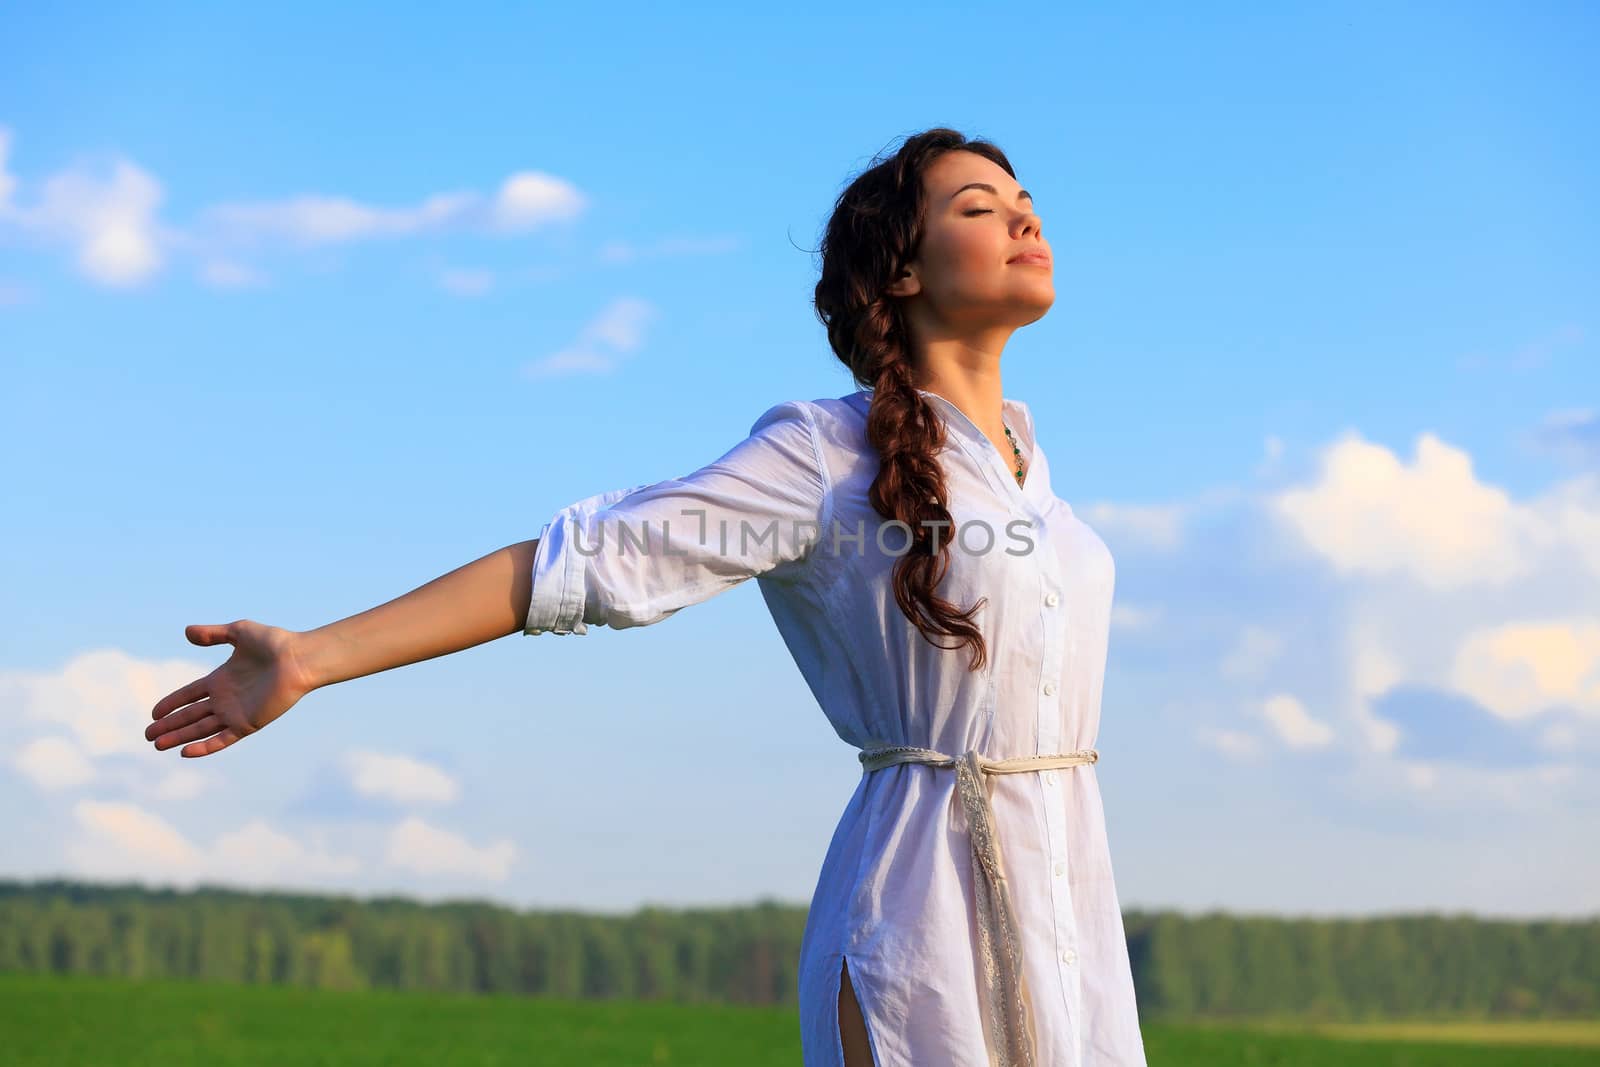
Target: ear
[[908, 284]]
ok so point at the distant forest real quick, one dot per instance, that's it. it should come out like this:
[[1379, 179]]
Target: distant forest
[[1213, 965]]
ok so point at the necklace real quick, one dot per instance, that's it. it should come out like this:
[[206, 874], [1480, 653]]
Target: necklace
[[1015, 451]]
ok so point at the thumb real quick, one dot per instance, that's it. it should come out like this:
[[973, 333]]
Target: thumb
[[206, 635]]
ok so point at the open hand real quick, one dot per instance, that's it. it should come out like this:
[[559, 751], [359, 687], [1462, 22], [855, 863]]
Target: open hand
[[258, 683]]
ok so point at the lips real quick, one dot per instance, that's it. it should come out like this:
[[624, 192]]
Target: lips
[[1041, 259]]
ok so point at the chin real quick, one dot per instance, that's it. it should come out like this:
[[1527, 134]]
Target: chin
[[1038, 307]]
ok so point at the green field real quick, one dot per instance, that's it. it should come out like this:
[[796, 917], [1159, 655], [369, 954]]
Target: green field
[[72, 1020]]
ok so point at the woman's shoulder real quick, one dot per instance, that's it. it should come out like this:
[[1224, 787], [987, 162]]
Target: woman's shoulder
[[840, 423], [850, 406], [833, 419]]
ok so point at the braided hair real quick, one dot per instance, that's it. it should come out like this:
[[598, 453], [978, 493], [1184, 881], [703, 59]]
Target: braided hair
[[875, 229]]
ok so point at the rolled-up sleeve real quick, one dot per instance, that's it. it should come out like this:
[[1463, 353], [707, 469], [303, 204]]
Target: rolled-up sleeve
[[633, 557]]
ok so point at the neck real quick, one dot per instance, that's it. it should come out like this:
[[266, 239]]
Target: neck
[[978, 396]]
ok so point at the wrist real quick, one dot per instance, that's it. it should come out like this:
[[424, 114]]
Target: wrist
[[309, 660]]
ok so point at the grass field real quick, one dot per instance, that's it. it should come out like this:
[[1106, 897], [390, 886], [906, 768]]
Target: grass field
[[68, 1021]]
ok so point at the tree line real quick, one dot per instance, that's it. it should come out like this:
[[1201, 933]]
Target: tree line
[[1213, 965]]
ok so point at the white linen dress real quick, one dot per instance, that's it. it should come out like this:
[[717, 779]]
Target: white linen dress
[[895, 901]]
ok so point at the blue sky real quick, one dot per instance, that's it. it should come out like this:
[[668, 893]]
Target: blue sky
[[301, 309]]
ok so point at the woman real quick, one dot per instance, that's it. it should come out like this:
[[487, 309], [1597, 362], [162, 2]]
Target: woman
[[948, 611]]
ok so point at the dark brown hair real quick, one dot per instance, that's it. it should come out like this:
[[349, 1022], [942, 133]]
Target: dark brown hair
[[875, 229]]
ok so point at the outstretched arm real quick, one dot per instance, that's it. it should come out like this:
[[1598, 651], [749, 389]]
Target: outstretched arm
[[272, 668], [735, 518], [486, 599]]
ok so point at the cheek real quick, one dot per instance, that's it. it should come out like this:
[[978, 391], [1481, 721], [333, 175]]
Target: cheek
[[972, 257]]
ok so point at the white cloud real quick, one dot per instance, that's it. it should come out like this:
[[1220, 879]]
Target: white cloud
[[110, 221], [53, 763], [1293, 724], [123, 840], [109, 215], [401, 779], [103, 697], [1475, 559], [1373, 668], [105, 213], [1566, 521], [533, 198], [95, 709], [181, 783], [1431, 520], [524, 201], [84, 724], [1519, 669], [316, 220], [118, 840], [617, 330], [420, 848], [1369, 514], [257, 854]]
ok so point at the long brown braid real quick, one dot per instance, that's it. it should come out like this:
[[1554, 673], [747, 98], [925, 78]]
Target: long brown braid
[[875, 229]]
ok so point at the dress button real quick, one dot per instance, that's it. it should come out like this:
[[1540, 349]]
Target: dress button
[[1061, 868], [1049, 777], [1049, 688], [1067, 955], [1052, 600]]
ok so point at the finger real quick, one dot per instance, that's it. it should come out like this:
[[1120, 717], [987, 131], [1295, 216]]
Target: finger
[[194, 731], [182, 717], [179, 697], [211, 744], [202, 634]]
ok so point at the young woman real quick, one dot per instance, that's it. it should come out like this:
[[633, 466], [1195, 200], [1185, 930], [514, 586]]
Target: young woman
[[948, 611]]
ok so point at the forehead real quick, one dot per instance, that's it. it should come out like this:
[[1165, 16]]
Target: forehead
[[954, 169]]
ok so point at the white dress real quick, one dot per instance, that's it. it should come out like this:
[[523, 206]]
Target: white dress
[[895, 901]]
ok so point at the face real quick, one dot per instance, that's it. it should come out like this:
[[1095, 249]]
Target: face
[[966, 278]]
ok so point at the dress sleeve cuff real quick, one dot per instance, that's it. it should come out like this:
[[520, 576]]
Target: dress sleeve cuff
[[560, 589], [557, 602]]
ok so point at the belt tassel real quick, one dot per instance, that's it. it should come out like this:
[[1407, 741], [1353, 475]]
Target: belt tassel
[[1007, 1007]]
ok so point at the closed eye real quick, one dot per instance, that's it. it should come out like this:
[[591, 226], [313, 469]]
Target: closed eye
[[978, 211]]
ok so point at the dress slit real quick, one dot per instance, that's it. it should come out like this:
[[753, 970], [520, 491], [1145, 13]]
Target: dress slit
[[849, 1004]]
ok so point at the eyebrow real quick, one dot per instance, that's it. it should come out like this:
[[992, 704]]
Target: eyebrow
[[986, 187]]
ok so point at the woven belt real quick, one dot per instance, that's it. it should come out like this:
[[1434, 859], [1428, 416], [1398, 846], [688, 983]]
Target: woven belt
[[1004, 988]]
